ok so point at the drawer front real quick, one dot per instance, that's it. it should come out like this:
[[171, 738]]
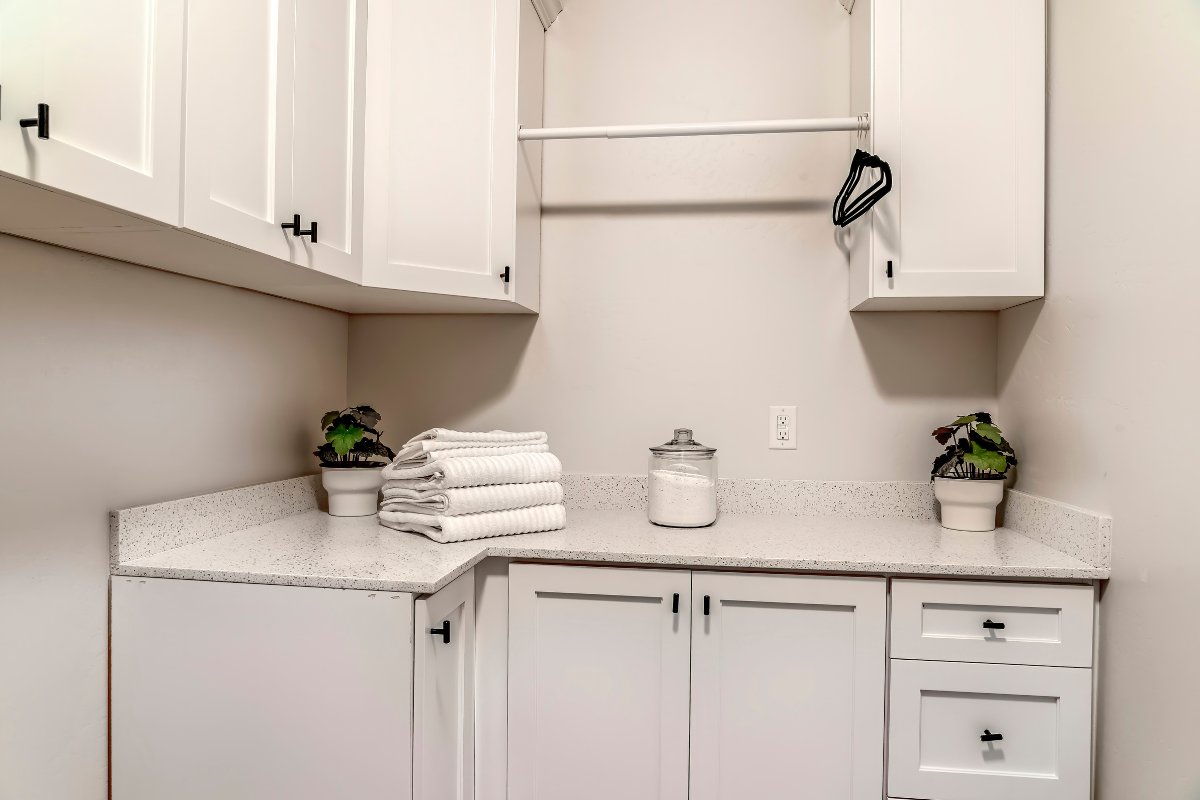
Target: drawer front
[[992, 623], [941, 711]]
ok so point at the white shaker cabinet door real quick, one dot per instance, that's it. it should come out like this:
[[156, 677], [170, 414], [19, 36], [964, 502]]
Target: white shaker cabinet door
[[444, 693], [238, 152], [252, 692], [452, 198], [598, 683], [327, 131], [111, 77], [787, 686]]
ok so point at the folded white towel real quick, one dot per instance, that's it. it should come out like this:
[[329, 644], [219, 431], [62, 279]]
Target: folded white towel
[[452, 473], [478, 526], [492, 437], [423, 452], [472, 500]]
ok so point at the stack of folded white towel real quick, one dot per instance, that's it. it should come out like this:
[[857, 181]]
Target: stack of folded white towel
[[455, 485]]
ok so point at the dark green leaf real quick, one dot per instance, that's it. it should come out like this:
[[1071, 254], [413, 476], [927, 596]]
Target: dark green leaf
[[986, 444], [371, 447], [326, 453], [344, 437], [329, 417], [963, 420], [365, 416], [983, 416]]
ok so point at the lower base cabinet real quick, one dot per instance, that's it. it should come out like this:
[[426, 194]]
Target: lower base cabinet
[[785, 674], [244, 691]]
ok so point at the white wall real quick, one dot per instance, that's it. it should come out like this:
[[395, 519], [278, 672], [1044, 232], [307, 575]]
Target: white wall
[[1099, 384], [691, 282], [121, 386]]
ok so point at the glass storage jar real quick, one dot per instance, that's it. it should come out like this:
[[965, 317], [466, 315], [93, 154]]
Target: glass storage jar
[[682, 482]]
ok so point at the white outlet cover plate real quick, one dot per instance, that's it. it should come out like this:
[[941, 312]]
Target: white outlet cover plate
[[781, 428]]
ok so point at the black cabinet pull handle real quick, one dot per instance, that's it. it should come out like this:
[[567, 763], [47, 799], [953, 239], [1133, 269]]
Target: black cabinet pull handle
[[995, 626], [675, 604], [295, 226], [444, 631], [41, 121], [506, 275], [706, 605], [988, 736]]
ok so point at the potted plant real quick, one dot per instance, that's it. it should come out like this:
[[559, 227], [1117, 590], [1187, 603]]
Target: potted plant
[[968, 477], [350, 469]]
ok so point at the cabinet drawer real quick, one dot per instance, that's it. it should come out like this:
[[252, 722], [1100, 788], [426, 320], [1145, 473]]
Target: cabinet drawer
[[939, 710], [1042, 625]]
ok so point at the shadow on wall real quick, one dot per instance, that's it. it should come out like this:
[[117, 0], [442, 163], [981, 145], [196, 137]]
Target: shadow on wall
[[929, 353], [1016, 327], [448, 367]]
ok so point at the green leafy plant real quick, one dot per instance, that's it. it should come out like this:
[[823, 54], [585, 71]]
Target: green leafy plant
[[975, 448], [348, 439]]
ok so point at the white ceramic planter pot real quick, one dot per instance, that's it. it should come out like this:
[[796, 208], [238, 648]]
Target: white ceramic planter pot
[[353, 492], [968, 505]]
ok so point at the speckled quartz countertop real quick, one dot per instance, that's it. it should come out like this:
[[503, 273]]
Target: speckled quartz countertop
[[313, 549]]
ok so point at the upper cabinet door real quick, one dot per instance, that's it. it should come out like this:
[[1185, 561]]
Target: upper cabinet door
[[446, 179], [787, 686], [598, 683], [444, 693], [111, 74], [237, 161], [958, 109], [327, 109]]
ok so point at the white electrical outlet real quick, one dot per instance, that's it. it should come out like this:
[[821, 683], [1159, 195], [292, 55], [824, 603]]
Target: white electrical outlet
[[782, 428]]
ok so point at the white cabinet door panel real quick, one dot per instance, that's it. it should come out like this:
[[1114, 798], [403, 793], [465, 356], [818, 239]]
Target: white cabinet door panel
[[444, 693], [598, 683], [787, 686], [237, 172], [940, 711], [248, 692], [112, 75], [330, 77]]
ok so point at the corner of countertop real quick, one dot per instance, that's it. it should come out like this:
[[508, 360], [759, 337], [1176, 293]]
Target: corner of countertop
[[1080, 533], [144, 531]]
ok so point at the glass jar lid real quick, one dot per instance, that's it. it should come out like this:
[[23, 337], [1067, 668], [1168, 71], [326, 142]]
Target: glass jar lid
[[683, 446]]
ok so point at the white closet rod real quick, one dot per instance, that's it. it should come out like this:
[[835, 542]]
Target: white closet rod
[[700, 129]]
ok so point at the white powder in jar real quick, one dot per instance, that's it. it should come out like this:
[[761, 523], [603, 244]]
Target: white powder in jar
[[682, 499]]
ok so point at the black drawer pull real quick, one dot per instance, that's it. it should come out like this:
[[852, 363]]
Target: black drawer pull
[[675, 604], [706, 605], [444, 631], [994, 626], [988, 736], [41, 121]]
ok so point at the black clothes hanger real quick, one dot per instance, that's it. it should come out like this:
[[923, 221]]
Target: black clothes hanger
[[844, 214]]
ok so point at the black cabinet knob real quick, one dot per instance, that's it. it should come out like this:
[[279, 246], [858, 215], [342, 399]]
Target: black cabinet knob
[[41, 121], [295, 227], [988, 736]]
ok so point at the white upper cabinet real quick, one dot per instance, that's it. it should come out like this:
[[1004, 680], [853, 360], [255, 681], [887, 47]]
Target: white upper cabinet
[[787, 686], [452, 198], [956, 90], [274, 103], [111, 77]]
